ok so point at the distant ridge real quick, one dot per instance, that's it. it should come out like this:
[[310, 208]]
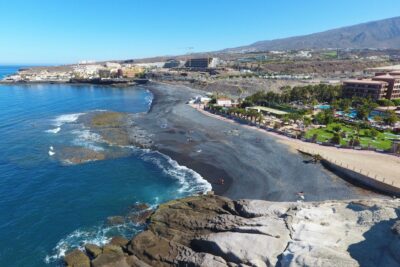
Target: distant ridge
[[381, 34]]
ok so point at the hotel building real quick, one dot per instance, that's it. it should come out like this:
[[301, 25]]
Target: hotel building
[[386, 86]]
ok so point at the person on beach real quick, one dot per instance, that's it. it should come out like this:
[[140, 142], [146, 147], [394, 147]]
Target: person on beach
[[301, 195]]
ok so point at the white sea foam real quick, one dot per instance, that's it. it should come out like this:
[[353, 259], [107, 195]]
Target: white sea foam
[[98, 235], [66, 118], [149, 98], [55, 130], [88, 139], [191, 182]]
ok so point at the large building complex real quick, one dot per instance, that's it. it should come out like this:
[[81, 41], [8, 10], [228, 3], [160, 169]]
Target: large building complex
[[382, 86], [201, 63]]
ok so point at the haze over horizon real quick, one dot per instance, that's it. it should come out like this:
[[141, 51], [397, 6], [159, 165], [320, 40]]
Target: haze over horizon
[[50, 32]]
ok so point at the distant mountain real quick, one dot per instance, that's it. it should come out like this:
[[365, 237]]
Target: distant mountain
[[376, 34]]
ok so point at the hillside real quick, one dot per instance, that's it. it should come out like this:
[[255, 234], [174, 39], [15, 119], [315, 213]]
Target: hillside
[[379, 34]]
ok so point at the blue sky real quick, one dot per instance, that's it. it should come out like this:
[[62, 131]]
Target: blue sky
[[66, 31]]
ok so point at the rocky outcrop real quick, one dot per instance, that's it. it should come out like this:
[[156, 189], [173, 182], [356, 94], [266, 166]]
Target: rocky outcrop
[[215, 231], [77, 258]]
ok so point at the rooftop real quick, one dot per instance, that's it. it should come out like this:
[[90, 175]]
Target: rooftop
[[386, 77], [386, 68], [270, 110], [364, 81]]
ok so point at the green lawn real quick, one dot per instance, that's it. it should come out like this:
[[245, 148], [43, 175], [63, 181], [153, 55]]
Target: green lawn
[[330, 54], [382, 141]]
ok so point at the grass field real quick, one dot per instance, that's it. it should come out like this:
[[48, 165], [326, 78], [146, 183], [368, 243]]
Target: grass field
[[381, 141], [330, 54]]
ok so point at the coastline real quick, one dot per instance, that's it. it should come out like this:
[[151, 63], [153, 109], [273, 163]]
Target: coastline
[[252, 164], [231, 157]]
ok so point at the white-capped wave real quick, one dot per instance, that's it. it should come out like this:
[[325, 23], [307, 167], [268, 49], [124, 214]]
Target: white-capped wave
[[66, 118], [191, 182], [54, 131]]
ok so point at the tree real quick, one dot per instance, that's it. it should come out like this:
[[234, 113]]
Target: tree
[[365, 108], [391, 117], [373, 133], [325, 117], [306, 121], [385, 102], [354, 141], [337, 128], [378, 119], [314, 137], [336, 139]]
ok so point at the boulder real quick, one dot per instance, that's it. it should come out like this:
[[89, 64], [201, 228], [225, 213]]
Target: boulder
[[229, 245], [93, 250], [76, 258], [110, 260], [119, 241], [140, 217], [112, 249]]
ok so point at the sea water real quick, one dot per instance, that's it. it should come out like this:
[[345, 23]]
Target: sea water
[[48, 207], [8, 70]]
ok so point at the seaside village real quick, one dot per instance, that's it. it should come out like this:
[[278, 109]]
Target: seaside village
[[348, 110]]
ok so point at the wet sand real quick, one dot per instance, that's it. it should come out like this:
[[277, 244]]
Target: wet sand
[[252, 164]]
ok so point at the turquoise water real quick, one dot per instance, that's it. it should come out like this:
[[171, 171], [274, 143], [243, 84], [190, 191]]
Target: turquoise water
[[322, 107], [353, 114], [47, 206]]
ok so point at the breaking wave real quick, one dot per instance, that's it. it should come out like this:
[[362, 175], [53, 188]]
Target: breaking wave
[[191, 182], [97, 235], [54, 131], [66, 118]]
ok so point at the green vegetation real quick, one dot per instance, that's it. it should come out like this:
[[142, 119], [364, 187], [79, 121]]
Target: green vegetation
[[385, 102], [347, 135], [306, 94], [330, 54], [396, 102]]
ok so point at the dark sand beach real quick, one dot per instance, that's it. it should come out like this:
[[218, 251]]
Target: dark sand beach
[[251, 164]]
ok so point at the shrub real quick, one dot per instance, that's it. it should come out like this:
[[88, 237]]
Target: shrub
[[336, 139], [314, 137], [337, 128], [385, 102]]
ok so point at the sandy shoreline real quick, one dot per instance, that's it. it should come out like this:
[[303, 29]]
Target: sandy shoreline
[[252, 164]]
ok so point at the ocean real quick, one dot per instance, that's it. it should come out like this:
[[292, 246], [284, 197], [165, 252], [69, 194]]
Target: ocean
[[7, 70], [48, 206]]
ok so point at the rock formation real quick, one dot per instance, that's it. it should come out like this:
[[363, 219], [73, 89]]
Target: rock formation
[[215, 231]]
